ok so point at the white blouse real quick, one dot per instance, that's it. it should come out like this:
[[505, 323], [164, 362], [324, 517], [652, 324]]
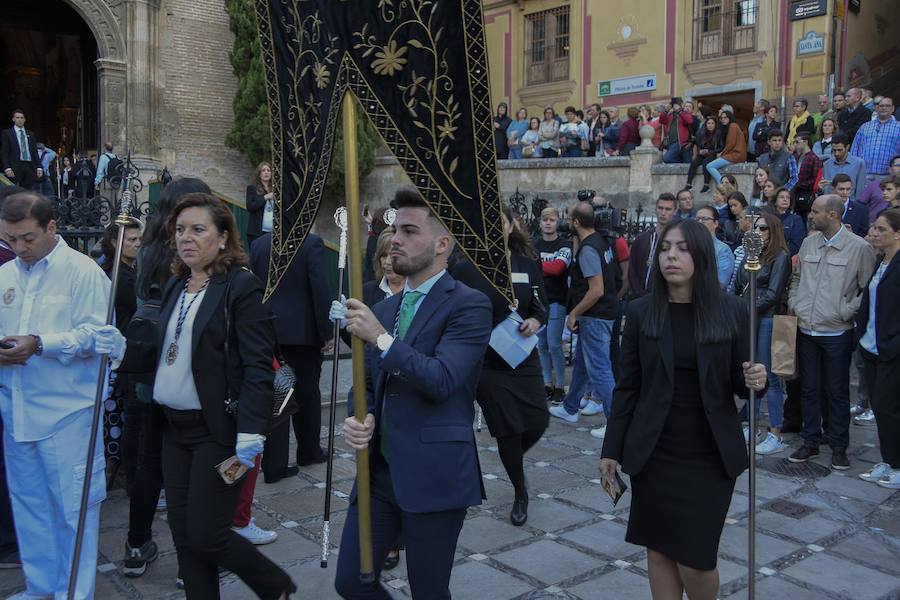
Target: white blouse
[[174, 385]]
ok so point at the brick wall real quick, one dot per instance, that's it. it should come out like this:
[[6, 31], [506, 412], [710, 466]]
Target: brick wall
[[197, 88]]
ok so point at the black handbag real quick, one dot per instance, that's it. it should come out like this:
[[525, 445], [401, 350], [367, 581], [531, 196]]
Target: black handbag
[[284, 405]]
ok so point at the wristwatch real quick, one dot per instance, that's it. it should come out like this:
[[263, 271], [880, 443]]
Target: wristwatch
[[40, 345], [384, 341]]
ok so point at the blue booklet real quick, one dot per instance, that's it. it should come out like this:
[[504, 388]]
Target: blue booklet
[[509, 343]]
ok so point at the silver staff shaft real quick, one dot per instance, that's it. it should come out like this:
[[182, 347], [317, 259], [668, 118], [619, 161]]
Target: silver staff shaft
[[340, 217], [751, 517], [122, 221], [753, 246]]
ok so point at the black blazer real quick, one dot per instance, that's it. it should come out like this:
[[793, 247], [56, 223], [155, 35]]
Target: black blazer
[[857, 217], [643, 393], [9, 150], [245, 375], [887, 325], [256, 205], [301, 301]]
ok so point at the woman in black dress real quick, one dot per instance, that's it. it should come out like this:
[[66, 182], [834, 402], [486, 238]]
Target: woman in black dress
[[512, 399], [681, 441], [260, 201]]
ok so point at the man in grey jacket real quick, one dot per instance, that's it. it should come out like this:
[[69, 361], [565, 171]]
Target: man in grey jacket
[[833, 267]]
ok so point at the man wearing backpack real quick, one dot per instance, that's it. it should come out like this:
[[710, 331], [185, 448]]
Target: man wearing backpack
[[108, 165]]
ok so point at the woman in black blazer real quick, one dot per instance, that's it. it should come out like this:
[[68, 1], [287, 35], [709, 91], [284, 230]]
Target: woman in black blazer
[[878, 329], [674, 426], [213, 361], [771, 285], [260, 203]]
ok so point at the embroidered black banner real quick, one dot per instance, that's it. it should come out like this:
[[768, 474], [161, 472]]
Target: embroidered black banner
[[419, 70]]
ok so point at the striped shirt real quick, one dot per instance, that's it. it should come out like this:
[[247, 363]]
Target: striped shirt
[[876, 142]]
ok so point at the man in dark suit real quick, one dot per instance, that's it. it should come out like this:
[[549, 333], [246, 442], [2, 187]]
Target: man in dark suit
[[18, 153], [424, 354], [856, 216], [303, 332]]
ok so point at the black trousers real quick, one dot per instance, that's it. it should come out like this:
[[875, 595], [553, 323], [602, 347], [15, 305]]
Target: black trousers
[[8, 542], [700, 162], [430, 540], [883, 379], [26, 174], [142, 456], [307, 364], [201, 507]]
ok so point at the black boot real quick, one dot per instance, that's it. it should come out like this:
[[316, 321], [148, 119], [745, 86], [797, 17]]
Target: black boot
[[519, 513]]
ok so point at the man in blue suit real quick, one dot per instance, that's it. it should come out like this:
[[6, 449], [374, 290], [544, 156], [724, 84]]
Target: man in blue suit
[[424, 355], [303, 332], [856, 216]]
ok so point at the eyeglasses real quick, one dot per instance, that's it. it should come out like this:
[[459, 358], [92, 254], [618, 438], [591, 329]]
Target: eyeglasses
[[705, 219], [760, 228]]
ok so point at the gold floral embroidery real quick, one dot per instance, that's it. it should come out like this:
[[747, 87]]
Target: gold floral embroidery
[[389, 59], [320, 72]]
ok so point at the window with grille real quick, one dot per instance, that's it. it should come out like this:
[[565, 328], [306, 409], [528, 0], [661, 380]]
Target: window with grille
[[547, 46], [724, 27]]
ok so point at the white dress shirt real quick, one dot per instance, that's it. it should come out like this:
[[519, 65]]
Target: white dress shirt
[[62, 298]]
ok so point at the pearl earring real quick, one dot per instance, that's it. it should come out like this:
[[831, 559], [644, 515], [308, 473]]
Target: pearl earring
[[221, 246]]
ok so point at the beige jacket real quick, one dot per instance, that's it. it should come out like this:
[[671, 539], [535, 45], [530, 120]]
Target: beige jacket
[[828, 280]]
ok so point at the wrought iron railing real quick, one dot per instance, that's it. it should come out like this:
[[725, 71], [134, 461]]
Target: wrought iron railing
[[725, 27]]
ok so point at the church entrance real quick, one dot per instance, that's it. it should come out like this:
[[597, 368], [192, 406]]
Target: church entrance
[[47, 55]]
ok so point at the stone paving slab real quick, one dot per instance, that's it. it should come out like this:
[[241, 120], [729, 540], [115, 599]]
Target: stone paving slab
[[573, 545]]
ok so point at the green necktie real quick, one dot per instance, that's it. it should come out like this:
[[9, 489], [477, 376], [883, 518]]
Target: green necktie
[[23, 143], [404, 318]]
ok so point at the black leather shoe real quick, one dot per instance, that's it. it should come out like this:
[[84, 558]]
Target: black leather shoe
[[519, 513], [392, 560], [839, 459], [287, 472], [803, 454]]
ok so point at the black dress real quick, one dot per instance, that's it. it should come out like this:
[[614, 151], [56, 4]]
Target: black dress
[[512, 400], [681, 496]]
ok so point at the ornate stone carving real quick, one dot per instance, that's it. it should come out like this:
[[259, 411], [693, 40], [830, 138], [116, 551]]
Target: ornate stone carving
[[105, 26]]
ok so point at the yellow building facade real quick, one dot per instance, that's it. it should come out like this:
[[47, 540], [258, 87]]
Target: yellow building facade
[[629, 52]]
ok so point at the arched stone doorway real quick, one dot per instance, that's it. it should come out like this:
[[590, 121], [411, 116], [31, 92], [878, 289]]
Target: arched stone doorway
[[63, 62]]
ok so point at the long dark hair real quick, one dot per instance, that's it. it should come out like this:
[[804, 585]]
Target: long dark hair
[[776, 244], [108, 243], [156, 254], [712, 319], [709, 139], [518, 241]]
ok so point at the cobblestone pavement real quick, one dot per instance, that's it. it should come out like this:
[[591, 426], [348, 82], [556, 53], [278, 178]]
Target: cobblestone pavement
[[821, 534]]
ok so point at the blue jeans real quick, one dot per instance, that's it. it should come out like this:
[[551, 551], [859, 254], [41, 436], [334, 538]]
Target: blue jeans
[[824, 363], [591, 365], [550, 347], [515, 152], [676, 154], [713, 168], [775, 393]]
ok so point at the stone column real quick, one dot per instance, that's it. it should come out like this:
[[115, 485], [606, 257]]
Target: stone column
[[142, 104], [111, 79], [643, 158]]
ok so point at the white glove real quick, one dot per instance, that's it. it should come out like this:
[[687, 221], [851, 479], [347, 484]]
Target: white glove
[[338, 311], [109, 340], [248, 447]]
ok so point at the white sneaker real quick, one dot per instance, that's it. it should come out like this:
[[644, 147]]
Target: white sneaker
[[599, 433], [746, 433], [584, 402], [560, 413], [866, 418], [876, 472], [891, 480], [770, 445], [255, 534], [591, 409]]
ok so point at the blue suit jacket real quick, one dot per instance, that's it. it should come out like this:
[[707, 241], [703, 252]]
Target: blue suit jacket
[[857, 217], [428, 380]]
